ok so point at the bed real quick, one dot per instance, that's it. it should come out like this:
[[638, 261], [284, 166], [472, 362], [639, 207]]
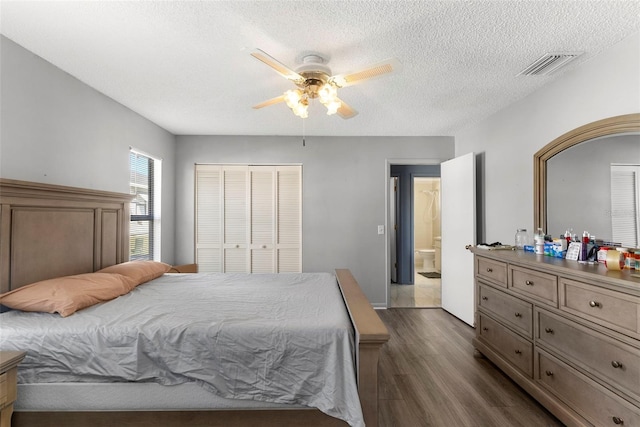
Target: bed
[[53, 231]]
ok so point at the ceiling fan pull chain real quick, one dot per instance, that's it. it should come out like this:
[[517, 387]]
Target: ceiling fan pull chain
[[303, 132]]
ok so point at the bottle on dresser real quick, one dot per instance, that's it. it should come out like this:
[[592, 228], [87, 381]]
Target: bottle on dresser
[[539, 241], [585, 246]]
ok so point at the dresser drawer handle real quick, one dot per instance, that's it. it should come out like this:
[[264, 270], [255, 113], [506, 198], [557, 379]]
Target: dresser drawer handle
[[616, 364], [518, 352], [594, 304], [618, 420], [237, 246], [548, 330], [489, 270], [484, 298], [529, 283], [518, 315], [485, 329], [264, 246], [549, 373]]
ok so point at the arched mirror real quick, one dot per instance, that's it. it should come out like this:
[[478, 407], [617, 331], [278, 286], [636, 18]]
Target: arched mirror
[[589, 180]]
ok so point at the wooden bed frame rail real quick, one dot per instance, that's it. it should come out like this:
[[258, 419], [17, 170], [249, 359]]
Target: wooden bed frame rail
[[49, 231]]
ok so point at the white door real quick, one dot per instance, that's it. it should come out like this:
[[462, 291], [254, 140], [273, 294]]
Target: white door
[[458, 213]]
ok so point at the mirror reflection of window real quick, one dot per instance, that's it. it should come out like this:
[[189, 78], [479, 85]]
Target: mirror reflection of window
[[625, 200]]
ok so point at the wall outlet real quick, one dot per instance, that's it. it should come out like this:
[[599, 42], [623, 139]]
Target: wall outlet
[[381, 229]]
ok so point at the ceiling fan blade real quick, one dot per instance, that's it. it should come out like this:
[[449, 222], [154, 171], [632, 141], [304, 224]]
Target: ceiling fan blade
[[280, 68], [380, 69], [345, 111], [269, 102]]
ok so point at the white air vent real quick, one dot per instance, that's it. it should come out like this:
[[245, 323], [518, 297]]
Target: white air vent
[[549, 63]]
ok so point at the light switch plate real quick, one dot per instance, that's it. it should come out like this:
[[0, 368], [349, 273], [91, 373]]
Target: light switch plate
[[381, 229]]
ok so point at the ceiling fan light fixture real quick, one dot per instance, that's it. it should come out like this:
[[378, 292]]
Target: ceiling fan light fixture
[[292, 97], [301, 109], [333, 107], [327, 93]]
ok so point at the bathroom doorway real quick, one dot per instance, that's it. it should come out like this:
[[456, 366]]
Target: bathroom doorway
[[426, 242], [414, 197]]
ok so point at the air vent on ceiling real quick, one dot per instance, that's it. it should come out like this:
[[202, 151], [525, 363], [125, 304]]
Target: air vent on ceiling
[[549, 63]]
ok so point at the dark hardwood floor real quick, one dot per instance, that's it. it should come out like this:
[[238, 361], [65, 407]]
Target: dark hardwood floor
[[429, 377]]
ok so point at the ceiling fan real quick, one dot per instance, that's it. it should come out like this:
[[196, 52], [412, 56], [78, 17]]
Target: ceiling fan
[[314, 80]]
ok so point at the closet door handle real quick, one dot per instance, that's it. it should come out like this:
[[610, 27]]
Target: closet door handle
[[594, 304], [616, 364]]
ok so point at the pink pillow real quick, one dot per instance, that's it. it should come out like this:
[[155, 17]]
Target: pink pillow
[[139, 271], [66, 295]]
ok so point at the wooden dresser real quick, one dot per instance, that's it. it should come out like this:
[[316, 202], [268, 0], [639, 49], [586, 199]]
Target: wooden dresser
[[566, 332]]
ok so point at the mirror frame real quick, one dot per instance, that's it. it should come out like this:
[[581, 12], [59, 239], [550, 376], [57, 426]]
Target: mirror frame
[[605, 127]]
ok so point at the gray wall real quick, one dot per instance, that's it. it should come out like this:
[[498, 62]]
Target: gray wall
[[344, 186], [57, 130], [606, 86]]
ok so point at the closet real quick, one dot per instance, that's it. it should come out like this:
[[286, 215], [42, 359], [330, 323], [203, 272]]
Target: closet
[[248, 218]]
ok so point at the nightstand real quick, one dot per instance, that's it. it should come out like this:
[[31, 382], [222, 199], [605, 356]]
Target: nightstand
[[8, 378]]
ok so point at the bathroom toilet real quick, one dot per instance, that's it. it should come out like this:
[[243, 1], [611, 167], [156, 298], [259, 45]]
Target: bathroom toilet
[[428, 259]]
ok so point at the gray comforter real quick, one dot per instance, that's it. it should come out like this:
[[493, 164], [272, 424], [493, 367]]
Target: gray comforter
[[283, 338]]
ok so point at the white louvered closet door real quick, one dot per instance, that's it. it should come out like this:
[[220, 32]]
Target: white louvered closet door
[[248, 218], [262, 226], [236, 213], [208, 237], [289, 224]]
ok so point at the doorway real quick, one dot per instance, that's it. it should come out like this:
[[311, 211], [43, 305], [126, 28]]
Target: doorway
[[426, 242], [414, 214]]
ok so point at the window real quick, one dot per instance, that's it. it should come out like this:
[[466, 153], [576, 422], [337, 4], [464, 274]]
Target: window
[[144, 185]]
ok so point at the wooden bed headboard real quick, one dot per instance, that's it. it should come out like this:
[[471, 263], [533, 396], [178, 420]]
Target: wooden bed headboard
[[50, 231]]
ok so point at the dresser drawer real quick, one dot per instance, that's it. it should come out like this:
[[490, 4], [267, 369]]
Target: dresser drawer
[[540, 286], [511, 310], [612, 309], [592, 401], [612, 361], [494, 271], [510, 345]]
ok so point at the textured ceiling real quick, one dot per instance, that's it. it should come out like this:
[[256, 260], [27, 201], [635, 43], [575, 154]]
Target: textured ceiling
[[186, 65]]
